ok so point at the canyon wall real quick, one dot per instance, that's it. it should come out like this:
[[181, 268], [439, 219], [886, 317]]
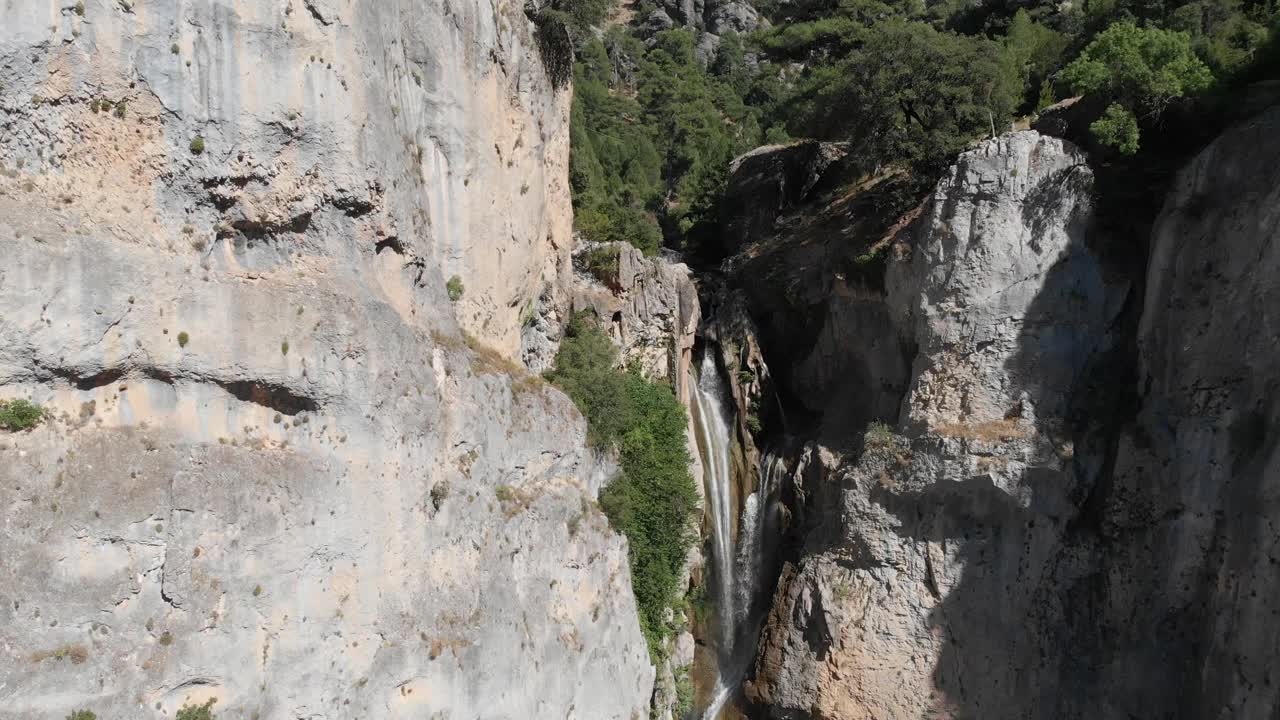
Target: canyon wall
[[267, 266], [1069, 514]]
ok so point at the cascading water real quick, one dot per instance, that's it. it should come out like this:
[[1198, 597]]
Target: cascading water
[[713, 427], [738, 570]]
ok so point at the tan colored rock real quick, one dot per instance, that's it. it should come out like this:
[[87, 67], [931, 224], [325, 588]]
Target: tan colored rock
[[277, 473]]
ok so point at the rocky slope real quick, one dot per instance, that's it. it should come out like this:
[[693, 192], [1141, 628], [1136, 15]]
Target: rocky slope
[[282, 469], [1040, 529]]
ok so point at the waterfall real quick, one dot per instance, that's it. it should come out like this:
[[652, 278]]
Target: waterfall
[[738, 571], [755, 526], [713, 427]]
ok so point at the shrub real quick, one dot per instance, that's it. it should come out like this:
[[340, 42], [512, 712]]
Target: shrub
[[174, 49], [439, 493], [684, 694], [455, 288], [18, 415], [653, 500], [122, 108], [284, 348], [80, 8], [602, 263], [879, 435], [183, 338], [82, 715], [197, 712], [197, 145]]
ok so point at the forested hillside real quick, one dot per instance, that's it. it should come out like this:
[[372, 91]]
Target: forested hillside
[[658, 114]]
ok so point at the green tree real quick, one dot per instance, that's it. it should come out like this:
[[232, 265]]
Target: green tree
[[1141, 71], [1032, 52], [910, 93]]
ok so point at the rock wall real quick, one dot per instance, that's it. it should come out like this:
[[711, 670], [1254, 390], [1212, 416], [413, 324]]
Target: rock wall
[[1044, 531], [282, 469]]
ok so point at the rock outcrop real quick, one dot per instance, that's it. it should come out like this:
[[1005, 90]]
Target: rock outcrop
[[1043, 530], [282, 469]]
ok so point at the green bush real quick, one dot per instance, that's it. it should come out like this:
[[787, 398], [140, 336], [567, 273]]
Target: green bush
[[82, 715], [684, 694], [197, 145], [602, 263], [183, 339], [879, 435], [454, 288], [196, 712], [18, 415], [653, 499]]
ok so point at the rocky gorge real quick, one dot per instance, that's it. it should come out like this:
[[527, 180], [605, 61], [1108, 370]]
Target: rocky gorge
[[286, 278]]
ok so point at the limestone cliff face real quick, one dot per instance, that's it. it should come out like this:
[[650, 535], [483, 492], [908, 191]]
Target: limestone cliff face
[[996, 289], [276, 472], [1043, 530]]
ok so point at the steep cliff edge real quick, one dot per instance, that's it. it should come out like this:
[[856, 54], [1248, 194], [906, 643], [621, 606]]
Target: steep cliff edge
[[1071, 515], [276, 472]]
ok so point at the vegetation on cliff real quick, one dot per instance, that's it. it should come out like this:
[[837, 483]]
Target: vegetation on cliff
[[908, 85], [653, 499]]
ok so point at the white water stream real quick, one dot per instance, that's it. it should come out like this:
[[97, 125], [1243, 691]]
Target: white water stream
[[738, 570], [713, 427]]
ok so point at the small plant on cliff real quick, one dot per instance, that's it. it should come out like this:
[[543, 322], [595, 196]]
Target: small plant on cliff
[[684, 694], [879, 435], [122, 109], [183, 339], [82, 715], [455, 288], [197, 712], [18, 415], [197, 145], [80, 8], [439, 493], [174, 49], [602, 263]]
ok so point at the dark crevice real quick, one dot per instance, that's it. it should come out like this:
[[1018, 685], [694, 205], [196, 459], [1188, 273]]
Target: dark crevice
[[315, 13], [89, 382], [261, 230], [392, 243], [270, 395], [352, 207]]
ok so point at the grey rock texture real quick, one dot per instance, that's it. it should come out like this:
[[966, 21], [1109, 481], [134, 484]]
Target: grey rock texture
[[1043, 532], [282, 469], [711, 19], [1185, 525], [995, 287]]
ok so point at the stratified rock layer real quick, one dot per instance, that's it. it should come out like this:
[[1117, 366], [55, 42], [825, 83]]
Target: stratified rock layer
[[276, 473]]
